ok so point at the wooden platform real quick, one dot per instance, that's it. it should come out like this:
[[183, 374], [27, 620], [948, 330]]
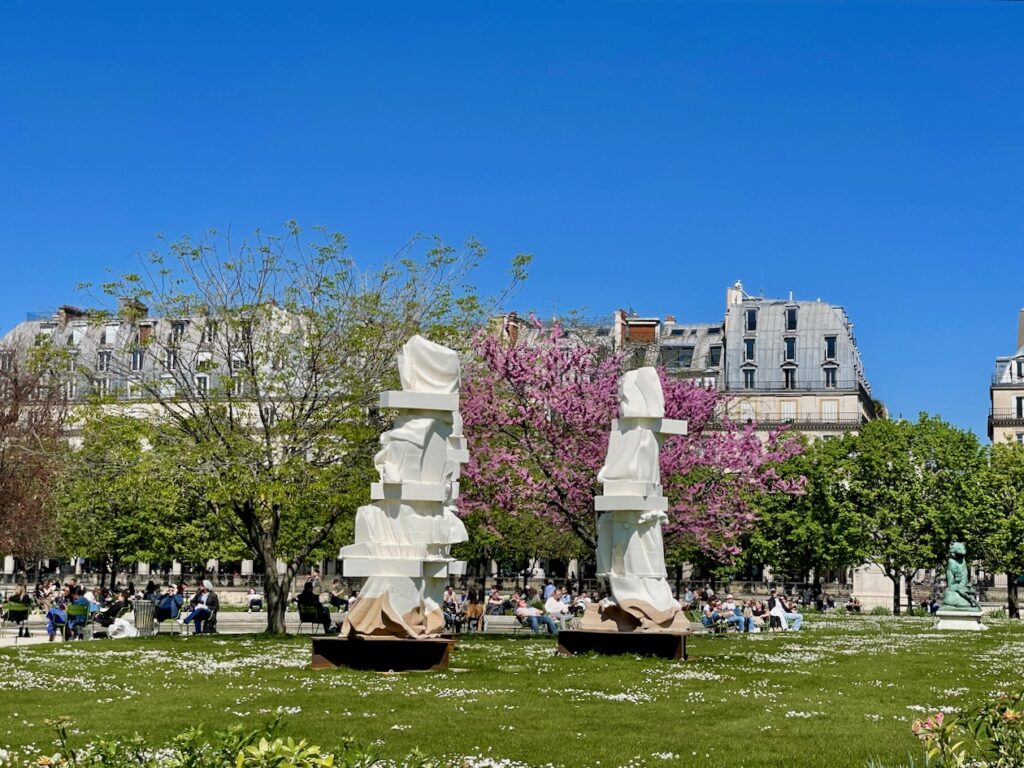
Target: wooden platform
[[382, 654], [664, 645]]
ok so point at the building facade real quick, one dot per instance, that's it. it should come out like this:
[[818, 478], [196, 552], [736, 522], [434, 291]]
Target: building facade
[[1006, 394], [783, 362]]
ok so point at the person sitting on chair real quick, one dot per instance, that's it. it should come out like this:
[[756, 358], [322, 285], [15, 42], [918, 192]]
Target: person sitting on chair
[[106, 617], [169, 604], [22, 597], [535, 617], [309, 600], [203, 603], [253, 601]]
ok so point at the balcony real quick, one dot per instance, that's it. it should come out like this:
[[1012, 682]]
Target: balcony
[[1013, 383], [842, 385], [1006, 417], [843, 421]]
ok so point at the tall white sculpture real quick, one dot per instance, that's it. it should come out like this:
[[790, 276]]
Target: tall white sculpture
[[403, 537], [630, 551]]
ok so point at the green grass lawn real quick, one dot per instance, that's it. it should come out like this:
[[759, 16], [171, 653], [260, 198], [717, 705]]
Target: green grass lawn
[[840, 691]]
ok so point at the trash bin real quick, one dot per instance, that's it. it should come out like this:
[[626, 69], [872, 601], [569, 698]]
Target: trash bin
[[144, 610]]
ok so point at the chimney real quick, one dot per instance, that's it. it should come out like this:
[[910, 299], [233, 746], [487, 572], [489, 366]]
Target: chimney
[[734, 294], [1020, 329], [670, 318]]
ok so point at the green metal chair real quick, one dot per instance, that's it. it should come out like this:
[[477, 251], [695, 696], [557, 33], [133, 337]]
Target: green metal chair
[[78, 620], [13, 613], [311, 616]]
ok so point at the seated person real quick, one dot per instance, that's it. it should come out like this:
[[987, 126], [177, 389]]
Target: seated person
[[556, 608], [732, 613], [534, 617], [203, 603], [494, 602], [253, 601], [169, 604], [22, 597], [474, 612], [709, 616], [337, 596], [853, 606], [106, 617], [309, 600]]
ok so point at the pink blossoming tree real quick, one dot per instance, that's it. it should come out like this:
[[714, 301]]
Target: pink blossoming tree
[[537, 416]]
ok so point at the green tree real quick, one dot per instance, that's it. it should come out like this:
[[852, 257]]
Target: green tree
[[1003, 543], [917, 485], [116, 502], [271, 353], [820, 529]]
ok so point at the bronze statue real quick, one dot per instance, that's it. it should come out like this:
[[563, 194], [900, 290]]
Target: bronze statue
[[959, 595]]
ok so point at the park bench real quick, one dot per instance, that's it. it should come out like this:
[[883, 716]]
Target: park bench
[[503, 625]]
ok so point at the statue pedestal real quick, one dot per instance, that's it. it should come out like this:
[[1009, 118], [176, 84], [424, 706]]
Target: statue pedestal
[[382, 654], [664, 645], [968, 620]]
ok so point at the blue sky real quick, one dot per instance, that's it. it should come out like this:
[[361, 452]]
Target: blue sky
[[648, 153]]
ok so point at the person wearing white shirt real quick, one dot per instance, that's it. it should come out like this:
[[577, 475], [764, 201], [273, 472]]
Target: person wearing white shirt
[[556, 609]]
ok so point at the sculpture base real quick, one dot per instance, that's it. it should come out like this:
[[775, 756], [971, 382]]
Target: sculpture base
[[664, 645], [382, 654], [968, 620]]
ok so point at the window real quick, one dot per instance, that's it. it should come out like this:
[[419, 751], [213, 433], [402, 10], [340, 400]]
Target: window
[[787, 410], [746, 412], [72, 362], [71, 389], [751, 320], [167, 387], [1020, 407], [830, 410], [132, 389], [830, 347], [202, 384], [138, 359], [677, 357], [238, 386], [790, 348], [830, 378], [748, 349], [209, 332], [177, 332], [748, 378], [109, 336], [1020, 368], [101, 387], [237, 364], [1020, 438], [6, 361], [789, 378], [791, 318], [204, 362], [145, 333], [170, 359], [103, 361], [714, 357]]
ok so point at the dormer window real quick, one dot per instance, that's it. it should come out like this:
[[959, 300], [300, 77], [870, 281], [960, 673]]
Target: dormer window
[[791, 318], [789, 378], [1020, 367], [750, 321], [177, 332], [790, 349], [830, 347], [748, 349]]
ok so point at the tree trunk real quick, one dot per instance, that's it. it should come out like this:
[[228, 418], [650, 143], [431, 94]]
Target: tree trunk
[[895, 594], [1013, 607], [275, 590], [910, 591]]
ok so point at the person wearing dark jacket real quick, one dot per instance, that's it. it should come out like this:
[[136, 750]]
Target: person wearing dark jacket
[[204, 605], [308, 599], [106, 617]]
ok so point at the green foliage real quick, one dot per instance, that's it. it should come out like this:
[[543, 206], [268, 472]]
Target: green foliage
[[233, 747], [268, 404]]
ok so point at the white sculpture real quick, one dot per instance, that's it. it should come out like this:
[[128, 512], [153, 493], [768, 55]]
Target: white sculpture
[[403, 538], [630, 550]]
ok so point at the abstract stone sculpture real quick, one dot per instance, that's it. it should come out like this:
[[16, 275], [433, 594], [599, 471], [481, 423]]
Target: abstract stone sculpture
[[403, 537], [960, 608], [630, 550]]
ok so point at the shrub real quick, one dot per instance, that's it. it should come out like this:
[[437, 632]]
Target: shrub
[[881, 610], [234, 747]]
